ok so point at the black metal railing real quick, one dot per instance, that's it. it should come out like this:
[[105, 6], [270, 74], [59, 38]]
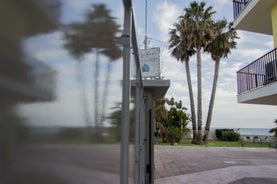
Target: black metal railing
[[238, 5], [259, 73]]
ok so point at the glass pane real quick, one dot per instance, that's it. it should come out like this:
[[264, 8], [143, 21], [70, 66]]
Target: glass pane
[[60, 91]]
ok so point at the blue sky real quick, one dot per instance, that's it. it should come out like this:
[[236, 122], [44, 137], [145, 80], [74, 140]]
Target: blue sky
[[67, 108]]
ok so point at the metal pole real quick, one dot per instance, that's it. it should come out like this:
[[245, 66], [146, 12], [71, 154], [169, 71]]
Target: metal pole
[[145, 37], [152, 137], [137, 129], [142, 138], [124, 159]]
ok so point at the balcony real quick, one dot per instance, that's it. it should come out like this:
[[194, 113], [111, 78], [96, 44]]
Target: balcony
[[238, 6], [246, 13], [259, 74]]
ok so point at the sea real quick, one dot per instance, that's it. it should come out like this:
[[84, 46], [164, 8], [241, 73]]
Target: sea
[[251, 131]]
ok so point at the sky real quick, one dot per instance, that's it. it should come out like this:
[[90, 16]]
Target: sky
[[227, 112], [68, 109]]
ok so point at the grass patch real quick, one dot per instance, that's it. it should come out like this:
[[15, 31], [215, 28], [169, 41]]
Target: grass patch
[[214, 143]]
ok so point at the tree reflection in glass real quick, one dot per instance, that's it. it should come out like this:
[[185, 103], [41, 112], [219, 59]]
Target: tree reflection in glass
[[97, 35]]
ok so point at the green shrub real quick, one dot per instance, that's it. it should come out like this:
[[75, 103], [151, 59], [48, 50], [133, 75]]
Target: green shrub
[[230, 136], [227, 135], [173, 135], [219, 132]]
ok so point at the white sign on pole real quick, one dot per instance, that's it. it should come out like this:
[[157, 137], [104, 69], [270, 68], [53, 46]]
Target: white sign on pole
[[150, 62]]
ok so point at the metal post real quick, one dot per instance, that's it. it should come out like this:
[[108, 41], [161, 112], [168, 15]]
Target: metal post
[[137, 129], [124, 154], [142, 138], [145, 37], [149, 160], [152, 137]]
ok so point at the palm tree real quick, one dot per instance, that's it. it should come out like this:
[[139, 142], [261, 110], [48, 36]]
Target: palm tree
[[97, 34], [180, 51], [73, 42], [113, 53], [219, 48], [101, 34], [196, 28]]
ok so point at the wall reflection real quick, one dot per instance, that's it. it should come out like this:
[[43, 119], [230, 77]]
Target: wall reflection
[[60, 91]]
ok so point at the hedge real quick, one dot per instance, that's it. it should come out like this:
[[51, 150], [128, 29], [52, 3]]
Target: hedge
[[227, 135]]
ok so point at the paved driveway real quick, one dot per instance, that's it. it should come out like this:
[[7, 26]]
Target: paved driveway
[[93, 164], [174, 164]]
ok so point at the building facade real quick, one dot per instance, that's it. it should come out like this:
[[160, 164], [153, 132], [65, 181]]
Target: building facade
[[257, 82]]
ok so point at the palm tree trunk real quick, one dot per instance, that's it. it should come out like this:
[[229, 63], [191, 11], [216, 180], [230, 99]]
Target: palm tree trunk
[[199, 97], [192, 106], [105, 96], [211, 104], [84, 99], [98, 130], [96, 75], [83, 96]]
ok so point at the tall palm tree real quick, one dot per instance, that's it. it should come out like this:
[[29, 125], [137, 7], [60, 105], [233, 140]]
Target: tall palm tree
[[219, 48], [97, 34], [113, 53], [180, 50], [101, 34], [201, 34], [197, 31], [73, 42]]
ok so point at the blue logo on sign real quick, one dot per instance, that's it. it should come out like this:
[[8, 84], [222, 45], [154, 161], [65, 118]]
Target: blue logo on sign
[[145, 68]]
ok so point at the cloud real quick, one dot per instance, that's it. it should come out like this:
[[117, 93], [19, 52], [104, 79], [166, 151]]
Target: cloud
[[220, 4], [165, 14]]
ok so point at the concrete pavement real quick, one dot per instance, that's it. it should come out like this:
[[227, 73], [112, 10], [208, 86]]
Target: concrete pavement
[[174, 164], [87, 164]]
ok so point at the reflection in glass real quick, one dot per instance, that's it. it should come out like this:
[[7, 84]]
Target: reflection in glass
[[57, 121], [98, 34]]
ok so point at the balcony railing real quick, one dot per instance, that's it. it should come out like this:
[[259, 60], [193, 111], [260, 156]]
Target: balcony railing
[[238, 5], [259, 73]]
